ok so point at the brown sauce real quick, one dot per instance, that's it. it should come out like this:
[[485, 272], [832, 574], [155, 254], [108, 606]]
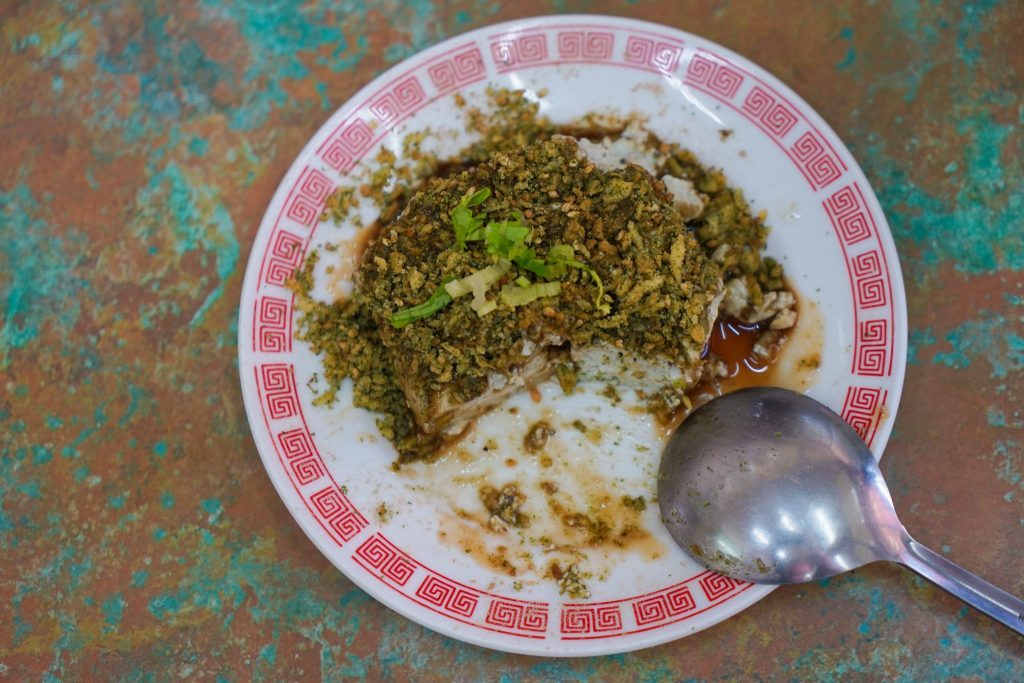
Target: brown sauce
[[733, 343], [793, 365]]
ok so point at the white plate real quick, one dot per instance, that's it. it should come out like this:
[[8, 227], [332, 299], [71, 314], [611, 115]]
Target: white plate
[[333, 473]]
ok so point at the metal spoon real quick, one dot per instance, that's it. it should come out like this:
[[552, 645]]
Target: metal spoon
[[769, 486]]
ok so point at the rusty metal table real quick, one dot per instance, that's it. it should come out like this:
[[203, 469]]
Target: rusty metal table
[[139, 536]]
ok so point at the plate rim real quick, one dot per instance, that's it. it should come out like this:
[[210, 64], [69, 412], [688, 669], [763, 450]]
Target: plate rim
[[253, 409]]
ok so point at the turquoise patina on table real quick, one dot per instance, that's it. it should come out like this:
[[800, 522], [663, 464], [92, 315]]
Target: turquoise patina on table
[[141, 538]]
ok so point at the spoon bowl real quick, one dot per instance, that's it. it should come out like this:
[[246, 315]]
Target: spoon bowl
[[770, 486]]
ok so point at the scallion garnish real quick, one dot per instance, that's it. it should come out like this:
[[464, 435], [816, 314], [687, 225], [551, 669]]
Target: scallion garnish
[[438, 300], [518, 296], [508, 240], [478, 280], [561, 256], [467, 226]]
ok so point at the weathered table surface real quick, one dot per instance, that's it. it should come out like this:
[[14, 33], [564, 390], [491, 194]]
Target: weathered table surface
[[141, 143]]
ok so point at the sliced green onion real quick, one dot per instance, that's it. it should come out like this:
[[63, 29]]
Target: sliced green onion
[[507, 238], [599, 301], [480, 279], [562, 255], [523, 281], [483, 306], [457, 288], [519, 296], [468, 227], [438, 300], [529, 261], [477, 197]]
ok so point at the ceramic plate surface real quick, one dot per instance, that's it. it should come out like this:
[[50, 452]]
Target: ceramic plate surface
[[416, 554]]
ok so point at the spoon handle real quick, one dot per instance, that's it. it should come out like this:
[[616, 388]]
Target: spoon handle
[[972, 589]]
